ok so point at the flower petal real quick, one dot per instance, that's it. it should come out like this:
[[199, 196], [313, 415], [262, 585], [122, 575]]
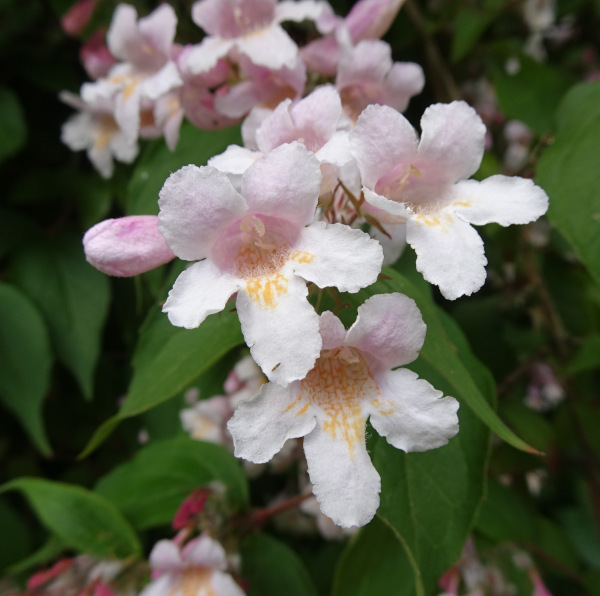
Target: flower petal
[[259, 47], [337, 255], [501, 199], [381, 139], [299, 10], [411, 414], [392, 245], [285, 184], [201, 290], [390, 328], [332, 330], [196, 203], [449, 253], [392, 207], [280, 326], [234, 161], [453, 135], [165, 556], [225, 585], [206, 54], [262, 424], [345, 482], [206, 552]]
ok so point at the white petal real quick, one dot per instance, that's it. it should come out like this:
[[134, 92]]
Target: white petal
[[165, 556], [280, 326], [411, 414], [319, 114], [122, 32], [392, 207], [303, 10], [225, 585], [271, 47], [234, 161], [336, 255], [205, 56], [159, 28], [345, 482], [127, 109], [390, 328], [166, 79], [501, 199], [449, 253], [159, 587], [195, 205], [453, 135], [262, 424], [206, 552], [201, 290], [336, 150], [285, 184], [332, 331], [381, 139], [277, 128], [392, 245]]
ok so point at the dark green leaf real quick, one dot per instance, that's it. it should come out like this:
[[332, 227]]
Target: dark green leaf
[[158, 163], [13, 525], [168, 359], [272, 569], [468, 27], [375, 563], [26, 361], [73, 297], [568, 172], [13, 128], [81, 519], [149, 489], [532, 94]]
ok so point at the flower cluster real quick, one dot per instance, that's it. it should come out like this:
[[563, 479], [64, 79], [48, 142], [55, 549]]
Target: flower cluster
[[282, 218]]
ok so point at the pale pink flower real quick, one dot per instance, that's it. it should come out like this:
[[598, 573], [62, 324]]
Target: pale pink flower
[[424, 183], [251, 28], [146, 70], [96, 57], [313, 121], [95, 129], [367, 75], [259, 244], [199, 568], [368, 19], [262, 87], [126, 246], [351, 381]]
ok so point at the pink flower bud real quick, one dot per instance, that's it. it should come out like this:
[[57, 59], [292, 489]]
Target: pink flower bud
[[370, 19], [78, 16], [126, 246], [96, 57]]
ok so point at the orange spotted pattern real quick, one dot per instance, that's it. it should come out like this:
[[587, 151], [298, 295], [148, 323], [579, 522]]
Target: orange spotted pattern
[[338, 384], [194, 581]]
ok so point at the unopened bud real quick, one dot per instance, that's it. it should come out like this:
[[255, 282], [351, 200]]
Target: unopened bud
[[126, 246]]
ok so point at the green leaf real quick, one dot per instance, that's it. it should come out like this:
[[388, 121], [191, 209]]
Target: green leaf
[[157, 163], [15, 230], [272, 569], [12, 524], [376, 563], [26, 361], [430, 499], [568, 172], [44, 555], [168, 359], [81, 519], [468, 27], [150, 488], [587, 356], [13, 128], [441, 351], [72, 296], [532, 94]]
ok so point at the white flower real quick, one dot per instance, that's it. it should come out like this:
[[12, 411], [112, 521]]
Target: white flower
[[424, 183], [351, 381], [198, 569], [257, 243]]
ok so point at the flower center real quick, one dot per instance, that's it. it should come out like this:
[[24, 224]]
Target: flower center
[[192, 580], [261, 252], [419, 186], [338, 384]]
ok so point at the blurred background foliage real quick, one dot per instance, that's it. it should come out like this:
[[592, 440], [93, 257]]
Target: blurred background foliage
[[77, 347]]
